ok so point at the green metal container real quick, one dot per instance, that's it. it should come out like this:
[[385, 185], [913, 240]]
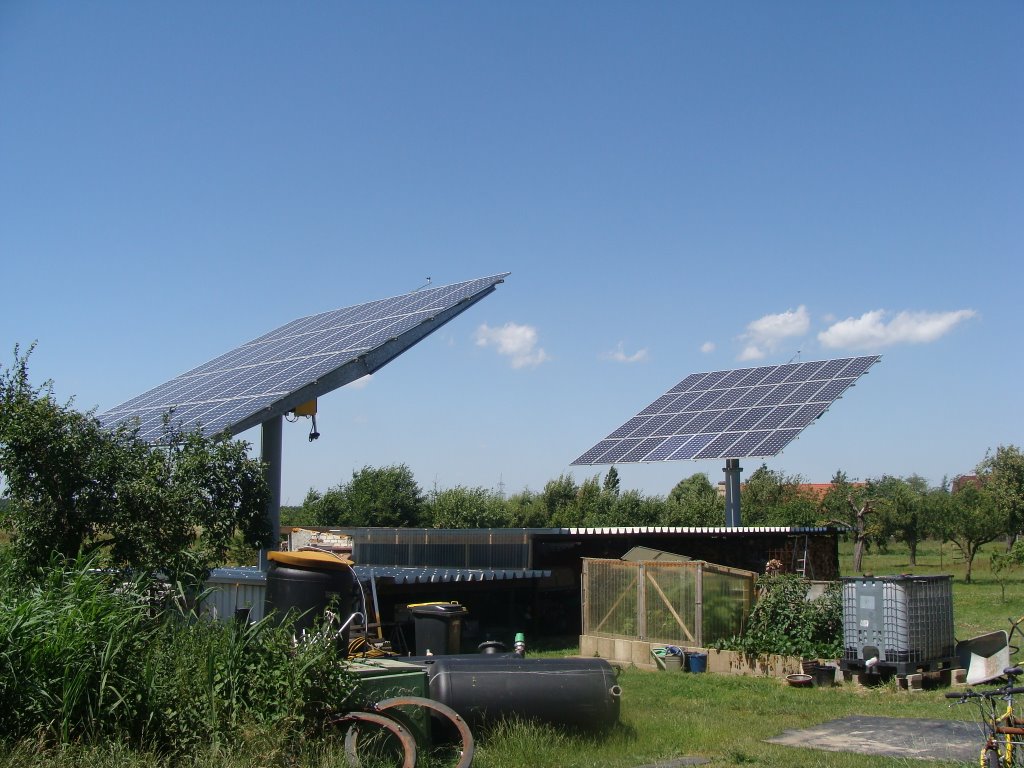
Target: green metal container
[[381, 679]]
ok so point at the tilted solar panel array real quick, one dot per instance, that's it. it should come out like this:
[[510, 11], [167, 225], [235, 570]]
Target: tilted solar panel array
[[730, 414], [228, 392]]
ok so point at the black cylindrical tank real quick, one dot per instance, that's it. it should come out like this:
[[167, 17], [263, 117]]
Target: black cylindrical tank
[[579, 693], [308, 586]]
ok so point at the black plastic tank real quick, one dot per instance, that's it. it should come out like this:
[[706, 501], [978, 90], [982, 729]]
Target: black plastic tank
[[308, 583], [577, 693]]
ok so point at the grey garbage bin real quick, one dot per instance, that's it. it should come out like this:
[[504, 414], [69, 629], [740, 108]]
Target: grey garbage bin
[[438, 627]]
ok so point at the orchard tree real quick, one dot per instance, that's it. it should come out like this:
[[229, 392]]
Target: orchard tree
[[970, 518], [694, 501], [850, 506], [611, 481], [75, 487], [559, 502], [375, 496], [462, 507], [770, 497], [1002, 473], [900, 503]]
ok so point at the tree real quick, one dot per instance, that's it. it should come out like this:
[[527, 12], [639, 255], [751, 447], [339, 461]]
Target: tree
[[1002, 473], [76, 487], [970, 518], [611, 482], [694, 501], [899, 501], [462, 507], [526, 510], [558, 498], [594, 505], [771, 498], [849, 505], [375, 496]]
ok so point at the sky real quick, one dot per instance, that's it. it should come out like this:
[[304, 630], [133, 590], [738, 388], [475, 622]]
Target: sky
[[674, 187]]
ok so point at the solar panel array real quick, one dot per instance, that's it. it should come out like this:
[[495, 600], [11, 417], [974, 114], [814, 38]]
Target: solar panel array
[[730, 414], [296, 362]]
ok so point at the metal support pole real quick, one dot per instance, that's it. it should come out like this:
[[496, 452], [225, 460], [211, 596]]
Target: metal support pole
[[272, 432], [732, 493]]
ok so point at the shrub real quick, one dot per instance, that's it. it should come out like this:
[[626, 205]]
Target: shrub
[[84, 657], [784, 621]]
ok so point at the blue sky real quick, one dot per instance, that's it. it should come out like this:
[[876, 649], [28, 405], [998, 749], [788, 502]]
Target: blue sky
[[675, 187]]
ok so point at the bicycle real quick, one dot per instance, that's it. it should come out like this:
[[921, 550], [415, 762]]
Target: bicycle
[[1004, 742]]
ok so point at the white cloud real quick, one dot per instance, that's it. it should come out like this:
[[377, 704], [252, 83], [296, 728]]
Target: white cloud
[[361, 383], [707, 347], [518, 342], [619, 355], [766, 333], [873, 329]]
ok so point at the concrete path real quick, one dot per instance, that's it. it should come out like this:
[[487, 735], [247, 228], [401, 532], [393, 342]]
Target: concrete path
[[891, 737]]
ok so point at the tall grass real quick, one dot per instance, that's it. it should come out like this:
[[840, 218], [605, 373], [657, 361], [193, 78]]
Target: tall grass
[[86, 657]]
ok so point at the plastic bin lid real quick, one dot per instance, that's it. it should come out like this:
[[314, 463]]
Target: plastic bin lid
[[323, 561], [437, 608]]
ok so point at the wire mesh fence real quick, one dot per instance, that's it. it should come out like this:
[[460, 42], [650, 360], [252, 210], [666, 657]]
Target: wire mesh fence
[[686, 603]]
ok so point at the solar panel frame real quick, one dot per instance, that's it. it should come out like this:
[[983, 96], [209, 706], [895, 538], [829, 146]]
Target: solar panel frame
[[746, 412], [296, 362]]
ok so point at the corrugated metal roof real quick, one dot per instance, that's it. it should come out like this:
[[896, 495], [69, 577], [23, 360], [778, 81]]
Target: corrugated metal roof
[[438, 575], [716, 530], [521, 534], [397, 574]]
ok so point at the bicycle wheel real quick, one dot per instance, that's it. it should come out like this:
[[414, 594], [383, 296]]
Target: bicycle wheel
[[990, 758]]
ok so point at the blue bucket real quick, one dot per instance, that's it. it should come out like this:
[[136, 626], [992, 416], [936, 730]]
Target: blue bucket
[[698, 662]]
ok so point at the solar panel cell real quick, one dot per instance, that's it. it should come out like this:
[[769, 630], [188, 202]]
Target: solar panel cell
[[692, 447], [640, 452], [719, 447], [667, 448], [723, 420], [805, 392], [689, 382]]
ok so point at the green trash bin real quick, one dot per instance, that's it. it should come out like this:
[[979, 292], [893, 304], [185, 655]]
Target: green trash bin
[[438, 627]]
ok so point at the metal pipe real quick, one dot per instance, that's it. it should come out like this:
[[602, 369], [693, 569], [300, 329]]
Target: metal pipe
[[272, 437], [732, 493]]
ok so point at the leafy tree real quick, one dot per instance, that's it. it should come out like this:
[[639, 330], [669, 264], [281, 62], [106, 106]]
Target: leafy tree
[[694, 501], [611, 482], [635, 508], [1005, 563], [76, 487], [559, 501], [375, 496], [900, 503], [1002, 473], [970, 518], [594, 506], [462, 507], [771, 498], [526, 510]]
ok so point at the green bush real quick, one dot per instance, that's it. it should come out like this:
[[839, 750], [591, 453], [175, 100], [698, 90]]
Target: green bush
[[784, 621], [86, 656]]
